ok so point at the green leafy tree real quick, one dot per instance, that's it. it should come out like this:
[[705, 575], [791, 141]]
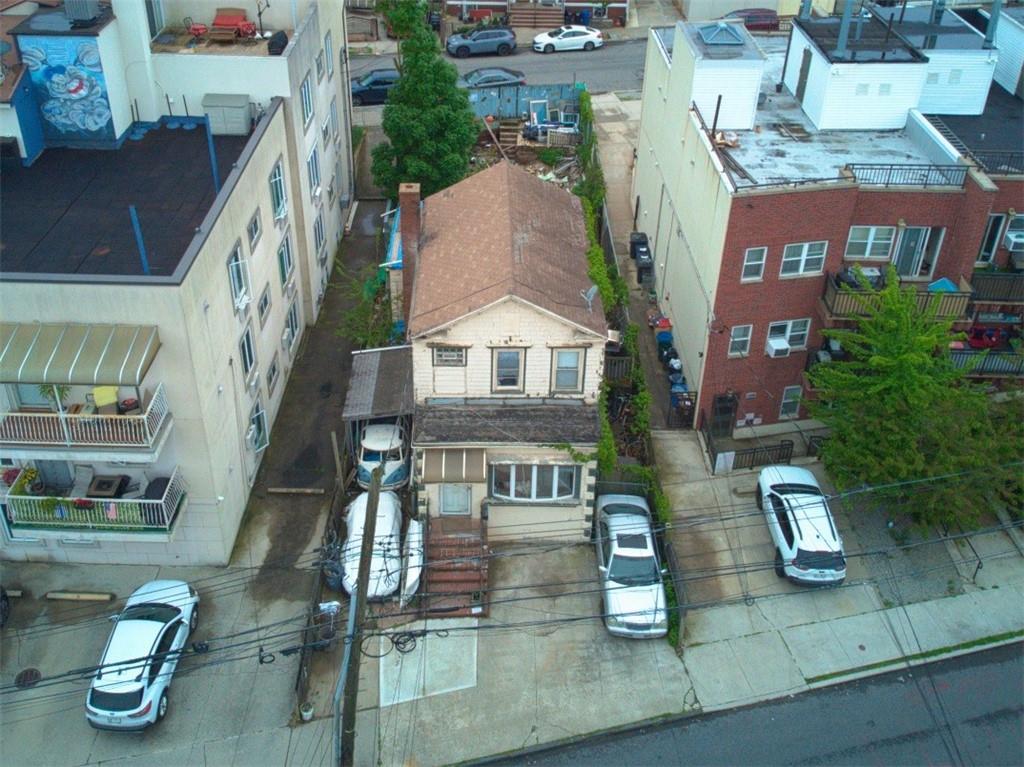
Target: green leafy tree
[[402, 16], [900, 411], [429, 126]]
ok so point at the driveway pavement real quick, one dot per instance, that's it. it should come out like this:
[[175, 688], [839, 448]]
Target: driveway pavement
[[213, 697], [541, 668]]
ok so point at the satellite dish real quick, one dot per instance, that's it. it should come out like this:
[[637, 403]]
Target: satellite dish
[[588, 296]]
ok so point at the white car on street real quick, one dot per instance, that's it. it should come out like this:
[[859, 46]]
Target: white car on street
[[129, 689], [386, 553], [632, 594], [571, 37], [808, 550]]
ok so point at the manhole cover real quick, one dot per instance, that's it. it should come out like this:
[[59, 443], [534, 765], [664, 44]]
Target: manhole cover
[[27, 678]]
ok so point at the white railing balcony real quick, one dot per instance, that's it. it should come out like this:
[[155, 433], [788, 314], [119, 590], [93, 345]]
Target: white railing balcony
[[143, 514], [81, 429]]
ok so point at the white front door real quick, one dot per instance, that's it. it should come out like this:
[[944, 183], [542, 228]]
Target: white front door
[[455, 500]]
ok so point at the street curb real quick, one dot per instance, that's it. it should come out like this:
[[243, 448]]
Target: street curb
[[668, 720]]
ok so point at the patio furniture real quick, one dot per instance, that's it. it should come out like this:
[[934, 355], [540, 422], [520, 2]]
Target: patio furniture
[[197, 31], [229, 24], [108, 485], [83, 479], [105, 399]]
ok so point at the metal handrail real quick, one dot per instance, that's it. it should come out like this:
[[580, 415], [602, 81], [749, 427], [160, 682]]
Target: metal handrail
[[897, 174], [87, 429], [125, 514]]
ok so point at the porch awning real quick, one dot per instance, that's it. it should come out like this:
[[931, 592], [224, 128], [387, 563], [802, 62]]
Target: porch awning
[[380, 384], [58, 353], [455, 465]]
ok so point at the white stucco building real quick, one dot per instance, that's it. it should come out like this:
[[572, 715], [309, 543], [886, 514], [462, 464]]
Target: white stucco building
[[159, 270]]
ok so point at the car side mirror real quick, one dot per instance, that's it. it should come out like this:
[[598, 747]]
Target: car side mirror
[[664, 571], [112, 618], [602, 569]]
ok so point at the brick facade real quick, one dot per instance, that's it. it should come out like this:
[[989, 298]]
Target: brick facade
[[773, 220]]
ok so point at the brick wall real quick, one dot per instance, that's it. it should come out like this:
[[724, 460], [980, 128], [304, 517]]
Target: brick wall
[[810, 214], [1010, 195]]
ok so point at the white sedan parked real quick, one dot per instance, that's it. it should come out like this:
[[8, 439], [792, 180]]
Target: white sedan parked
[[568, 38], [129, 690]]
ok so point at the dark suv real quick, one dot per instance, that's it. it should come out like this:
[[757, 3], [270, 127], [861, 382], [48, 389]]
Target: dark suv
[[487, 40], [373, 87]]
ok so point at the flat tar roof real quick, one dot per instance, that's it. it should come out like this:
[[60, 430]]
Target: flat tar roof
[[785, 145], [949, 33], [68, 212], [996, 131], [868, 41]]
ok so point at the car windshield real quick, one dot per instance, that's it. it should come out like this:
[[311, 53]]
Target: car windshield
[[375, 456], [792, 489], [150, 612], [115, 701], [475, 77], [819, 560], [555, 32], [633, 571]]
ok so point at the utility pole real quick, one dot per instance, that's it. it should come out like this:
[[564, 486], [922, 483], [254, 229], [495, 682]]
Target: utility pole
[[344, 744]]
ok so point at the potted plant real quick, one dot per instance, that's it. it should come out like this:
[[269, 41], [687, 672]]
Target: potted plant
[[55, 393]]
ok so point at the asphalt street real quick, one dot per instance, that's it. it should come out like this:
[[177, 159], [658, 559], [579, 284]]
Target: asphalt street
[[962, 711], [615, 67]]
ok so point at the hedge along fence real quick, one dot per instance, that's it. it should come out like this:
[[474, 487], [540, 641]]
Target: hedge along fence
[[614, 294]]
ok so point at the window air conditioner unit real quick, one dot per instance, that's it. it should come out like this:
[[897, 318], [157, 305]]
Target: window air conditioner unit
[[286, 338], [254, 383], [242, 300], [316, 193], [776, 348], [289, 289], [1014, 242], [251, 438]]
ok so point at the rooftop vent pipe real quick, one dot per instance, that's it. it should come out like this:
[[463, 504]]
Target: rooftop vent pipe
[[844, 30], [993, 22]]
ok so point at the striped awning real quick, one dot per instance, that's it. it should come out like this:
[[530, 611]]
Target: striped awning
[[57, 353], [455, 465]]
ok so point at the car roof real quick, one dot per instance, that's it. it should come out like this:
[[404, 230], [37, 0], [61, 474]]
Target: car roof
[[630, 535], [788, 475], [814, 520], [490, 71], [129, 641], [383, 72], [382, 436]]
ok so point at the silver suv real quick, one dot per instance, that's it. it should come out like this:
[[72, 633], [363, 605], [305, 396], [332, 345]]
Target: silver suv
[[632, 595], [492, 40], [129, 690], [808, 550]]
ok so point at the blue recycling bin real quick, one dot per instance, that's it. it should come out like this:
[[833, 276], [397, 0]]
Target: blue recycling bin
[[585, 17]]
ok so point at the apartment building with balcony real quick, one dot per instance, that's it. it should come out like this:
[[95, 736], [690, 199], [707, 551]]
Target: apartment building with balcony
[[159, 268], [767, 167]]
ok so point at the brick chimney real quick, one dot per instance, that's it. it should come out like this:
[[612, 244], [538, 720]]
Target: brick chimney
[[409, 226]]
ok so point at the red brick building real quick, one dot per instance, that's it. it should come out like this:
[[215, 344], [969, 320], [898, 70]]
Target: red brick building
[[756, 212]]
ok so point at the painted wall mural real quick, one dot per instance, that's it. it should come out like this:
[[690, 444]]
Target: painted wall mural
[[67, 77]]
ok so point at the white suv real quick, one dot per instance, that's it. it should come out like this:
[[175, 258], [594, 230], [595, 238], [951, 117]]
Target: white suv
[[129, 690], [632, 595], [808, 550]]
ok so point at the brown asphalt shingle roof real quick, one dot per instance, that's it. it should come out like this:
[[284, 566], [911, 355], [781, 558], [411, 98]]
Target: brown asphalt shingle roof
[[501, 232]]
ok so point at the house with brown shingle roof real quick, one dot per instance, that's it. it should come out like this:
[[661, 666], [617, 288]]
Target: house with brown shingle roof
[[507, 355]]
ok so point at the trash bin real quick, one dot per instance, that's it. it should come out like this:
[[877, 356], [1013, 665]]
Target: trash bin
[[585, 17]]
